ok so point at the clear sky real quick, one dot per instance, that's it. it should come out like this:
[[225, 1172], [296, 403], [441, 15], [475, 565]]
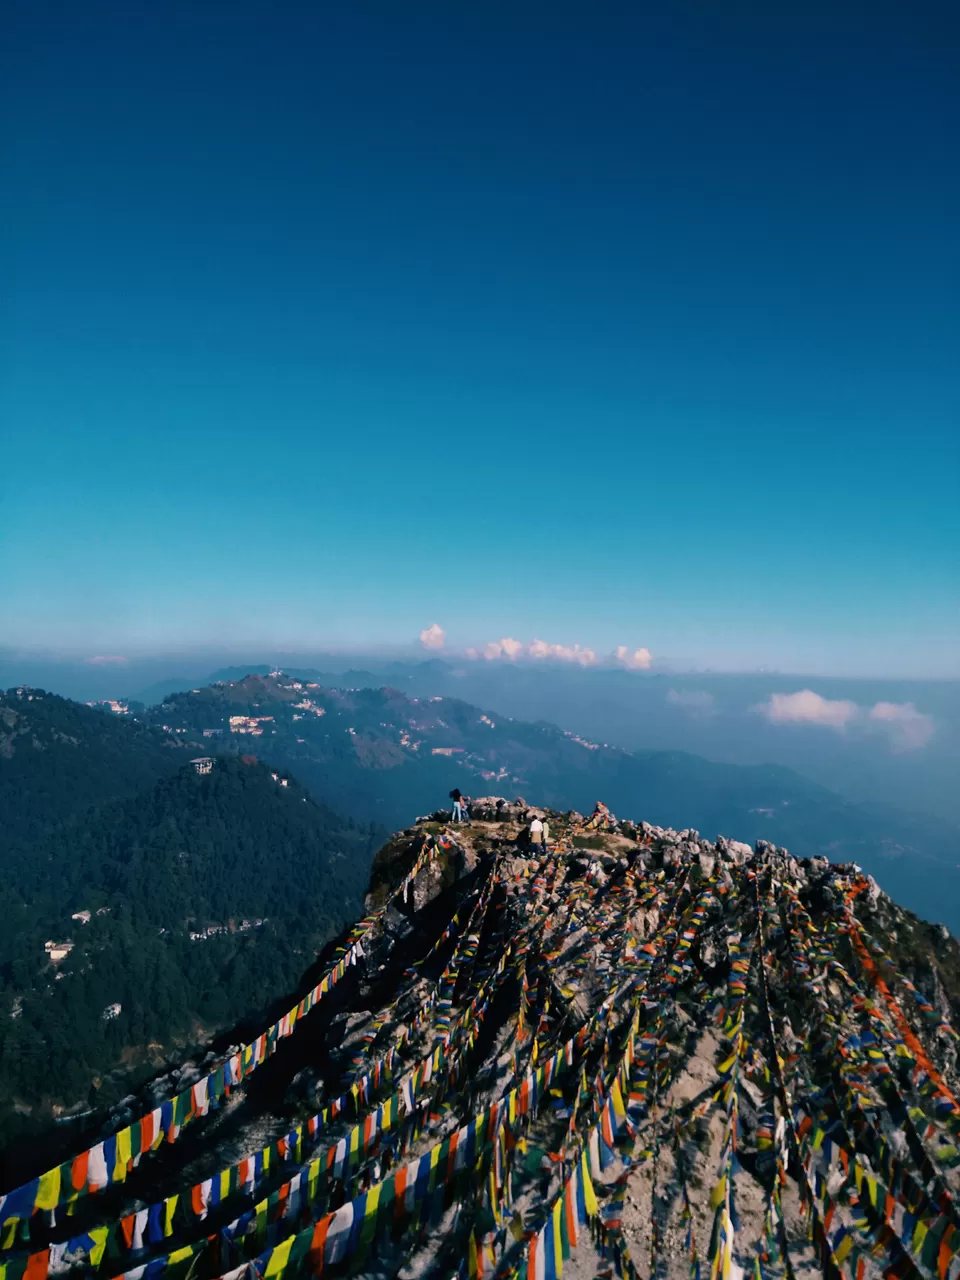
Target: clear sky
[[601, 324]]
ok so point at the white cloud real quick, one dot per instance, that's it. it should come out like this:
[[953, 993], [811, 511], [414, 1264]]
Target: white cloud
[[637, 660], [104, 660], [697, 701], [433, 637], [508, 649], [909, 728], [807, 707], [540, 649]]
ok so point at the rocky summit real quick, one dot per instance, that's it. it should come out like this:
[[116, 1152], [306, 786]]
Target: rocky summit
[[630, 1053]]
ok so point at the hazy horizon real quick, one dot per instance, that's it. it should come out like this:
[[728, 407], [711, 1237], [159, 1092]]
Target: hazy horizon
[[221, 654], [882, 740]]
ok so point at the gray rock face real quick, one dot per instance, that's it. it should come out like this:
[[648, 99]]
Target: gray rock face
[[497, 809]]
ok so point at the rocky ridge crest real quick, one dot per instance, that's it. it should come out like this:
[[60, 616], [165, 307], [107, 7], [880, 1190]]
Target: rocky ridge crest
[[707, 1055]]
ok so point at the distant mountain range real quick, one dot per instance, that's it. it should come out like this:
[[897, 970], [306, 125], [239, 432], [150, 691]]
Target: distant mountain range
[[380, 755], [909, 758], [384, 756]]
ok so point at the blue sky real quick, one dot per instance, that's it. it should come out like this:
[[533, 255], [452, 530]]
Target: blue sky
[[325, 322]]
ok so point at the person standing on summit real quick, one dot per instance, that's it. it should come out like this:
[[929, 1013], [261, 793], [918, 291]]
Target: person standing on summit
[[536, 835], [457, 813]]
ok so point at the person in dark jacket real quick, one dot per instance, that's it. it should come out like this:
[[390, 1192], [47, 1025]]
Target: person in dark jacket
[[457, 812]]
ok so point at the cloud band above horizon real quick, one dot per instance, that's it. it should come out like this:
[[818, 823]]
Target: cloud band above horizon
[[508, 649], [907, 728]]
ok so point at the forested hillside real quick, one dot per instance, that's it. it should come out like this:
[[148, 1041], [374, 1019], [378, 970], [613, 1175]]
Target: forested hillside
[[58, 758], [206, 895]]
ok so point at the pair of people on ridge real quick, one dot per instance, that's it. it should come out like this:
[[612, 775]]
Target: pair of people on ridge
[[539, 834], [461, 811]]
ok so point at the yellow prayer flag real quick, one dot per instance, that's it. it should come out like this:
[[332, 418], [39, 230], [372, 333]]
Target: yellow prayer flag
[[99, 1237], [558, 1209], [169, 1209], [48, 1190], [843, 1248], [589, 1195], [373, 1200], [124, 1154], [494, 1198], [280, 1257]]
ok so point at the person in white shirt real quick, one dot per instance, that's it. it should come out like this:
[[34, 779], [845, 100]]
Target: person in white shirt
[[536, 835]]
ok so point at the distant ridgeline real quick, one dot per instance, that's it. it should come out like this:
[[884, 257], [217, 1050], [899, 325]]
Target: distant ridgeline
[[640, 1054]]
